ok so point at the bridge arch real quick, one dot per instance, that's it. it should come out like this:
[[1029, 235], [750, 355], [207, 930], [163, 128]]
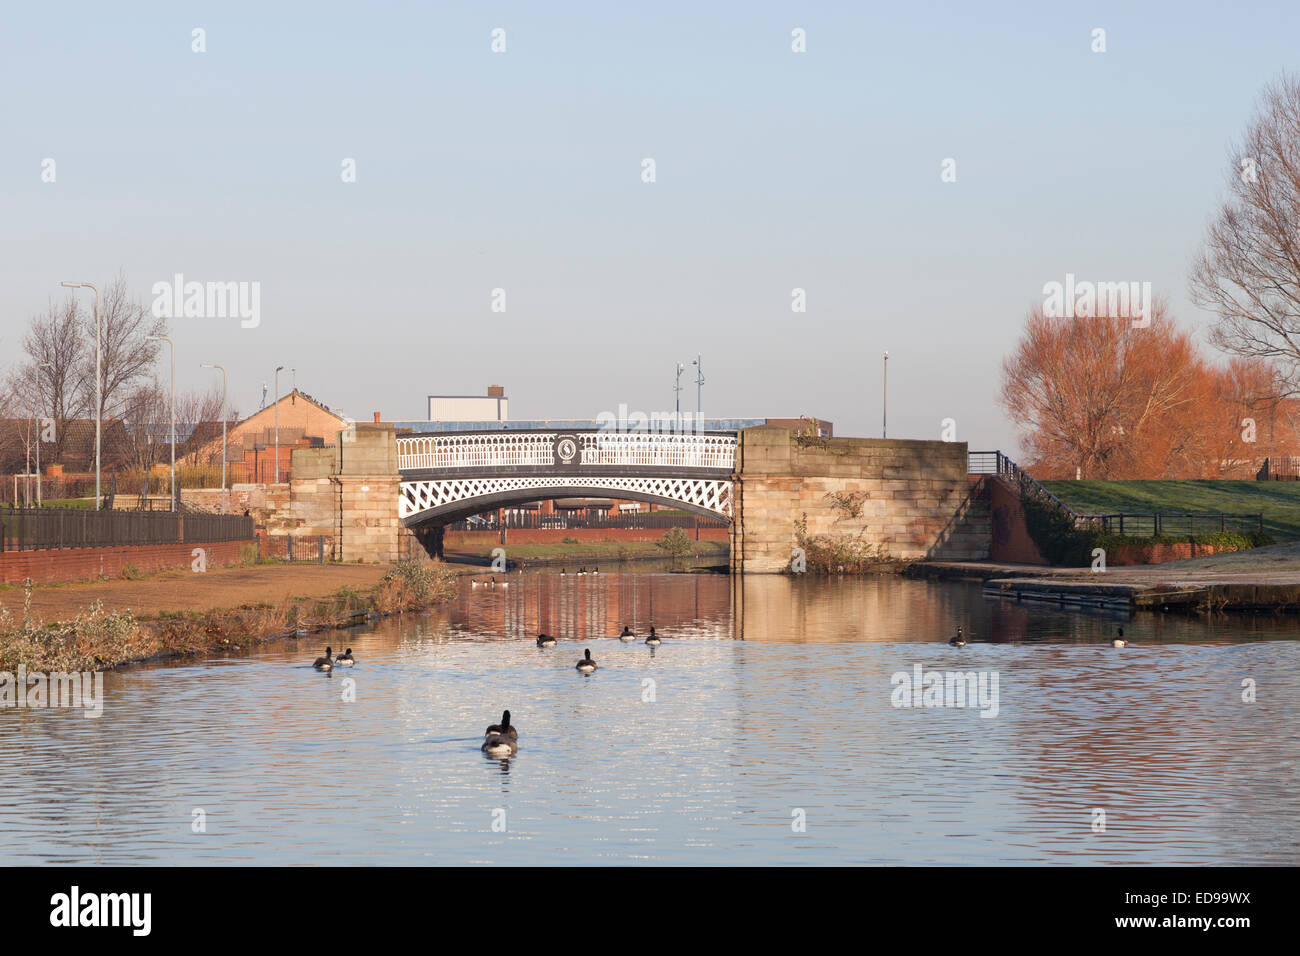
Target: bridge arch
[[443, 501]]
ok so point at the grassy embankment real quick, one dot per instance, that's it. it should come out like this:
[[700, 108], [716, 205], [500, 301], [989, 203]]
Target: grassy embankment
[[98, 639], [1065, 545], [1278, 501]]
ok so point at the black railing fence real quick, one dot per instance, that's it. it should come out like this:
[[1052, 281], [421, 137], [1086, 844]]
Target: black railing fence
[[1148, 524], [36, 529], [526, 521], [1155, 524]]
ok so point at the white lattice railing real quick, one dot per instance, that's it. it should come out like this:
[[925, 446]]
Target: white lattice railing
[[712, 494], [504, 449]]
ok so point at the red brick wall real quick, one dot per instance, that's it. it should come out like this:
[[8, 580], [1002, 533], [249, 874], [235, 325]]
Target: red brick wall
[[470, 539], [85, 564], [1131, 554]]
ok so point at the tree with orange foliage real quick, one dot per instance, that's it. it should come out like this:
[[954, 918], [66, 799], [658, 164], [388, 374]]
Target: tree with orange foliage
[[1099, 398]]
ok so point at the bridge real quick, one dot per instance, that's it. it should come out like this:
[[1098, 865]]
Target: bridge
[[450, 476], [384, 487]]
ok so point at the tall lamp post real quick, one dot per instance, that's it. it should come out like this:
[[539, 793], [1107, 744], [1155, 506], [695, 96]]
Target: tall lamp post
[[38, 428], [167, 339], [223, 433], [699, 389], [99, 378], [278, 370], [884, 400], [677, 389]]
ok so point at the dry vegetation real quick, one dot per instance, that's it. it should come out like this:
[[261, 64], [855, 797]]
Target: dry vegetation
[[99, 639]]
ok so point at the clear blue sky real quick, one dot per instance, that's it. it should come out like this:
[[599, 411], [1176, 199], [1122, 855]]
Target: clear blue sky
[[522, 171]]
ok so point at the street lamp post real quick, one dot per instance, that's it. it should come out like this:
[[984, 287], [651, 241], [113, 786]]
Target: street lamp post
[[677, 389], [99, 379], [699, 388], [37, 419], [884, 400], [223, 433], [278, 370], [167, 339]]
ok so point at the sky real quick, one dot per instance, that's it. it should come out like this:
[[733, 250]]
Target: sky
[[523, 171]]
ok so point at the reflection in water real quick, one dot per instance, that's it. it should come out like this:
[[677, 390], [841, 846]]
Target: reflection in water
[[769, 696]]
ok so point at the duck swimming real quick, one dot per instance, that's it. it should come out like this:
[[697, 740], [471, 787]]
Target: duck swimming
[[501, 740], [545, 640], [505, 728], [1119, 641], [627, 634], [653, 639], [586, 665], [324, 663], [345, 659], [959, 640]]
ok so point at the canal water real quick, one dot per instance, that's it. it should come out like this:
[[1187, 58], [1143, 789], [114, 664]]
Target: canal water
[[767, 728]]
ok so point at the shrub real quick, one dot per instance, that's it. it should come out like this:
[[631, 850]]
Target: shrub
[[87, 642], [419, 582], [676, 542]]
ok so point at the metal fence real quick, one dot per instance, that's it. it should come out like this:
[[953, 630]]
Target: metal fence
[[32, 529], [533, 521], [1148, 524], [1154, 524]]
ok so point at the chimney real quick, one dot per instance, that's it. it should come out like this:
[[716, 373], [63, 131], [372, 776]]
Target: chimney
[[496, 391], [376, 418]]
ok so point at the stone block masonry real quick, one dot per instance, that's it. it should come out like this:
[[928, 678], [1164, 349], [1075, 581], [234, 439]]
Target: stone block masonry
[[913, 499], [346, 494]]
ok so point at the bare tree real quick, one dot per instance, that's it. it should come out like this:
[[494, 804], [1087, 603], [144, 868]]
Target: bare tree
[[147, 417], [1249, 269], [49, 381], [198, 414], [128, 354]]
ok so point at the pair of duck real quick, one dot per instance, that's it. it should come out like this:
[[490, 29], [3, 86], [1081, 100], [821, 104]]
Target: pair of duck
[[960, 639], [628, 637], [489, 583], [327, 663], [501, 740]]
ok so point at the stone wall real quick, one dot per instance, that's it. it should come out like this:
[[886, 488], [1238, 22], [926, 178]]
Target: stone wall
[[913, 499], [369, 487], [346, 494]]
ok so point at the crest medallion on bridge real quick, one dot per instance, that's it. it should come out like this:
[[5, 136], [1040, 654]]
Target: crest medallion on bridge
[[567, 453]]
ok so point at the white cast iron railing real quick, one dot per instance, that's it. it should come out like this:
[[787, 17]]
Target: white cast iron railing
[[598, 449]]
